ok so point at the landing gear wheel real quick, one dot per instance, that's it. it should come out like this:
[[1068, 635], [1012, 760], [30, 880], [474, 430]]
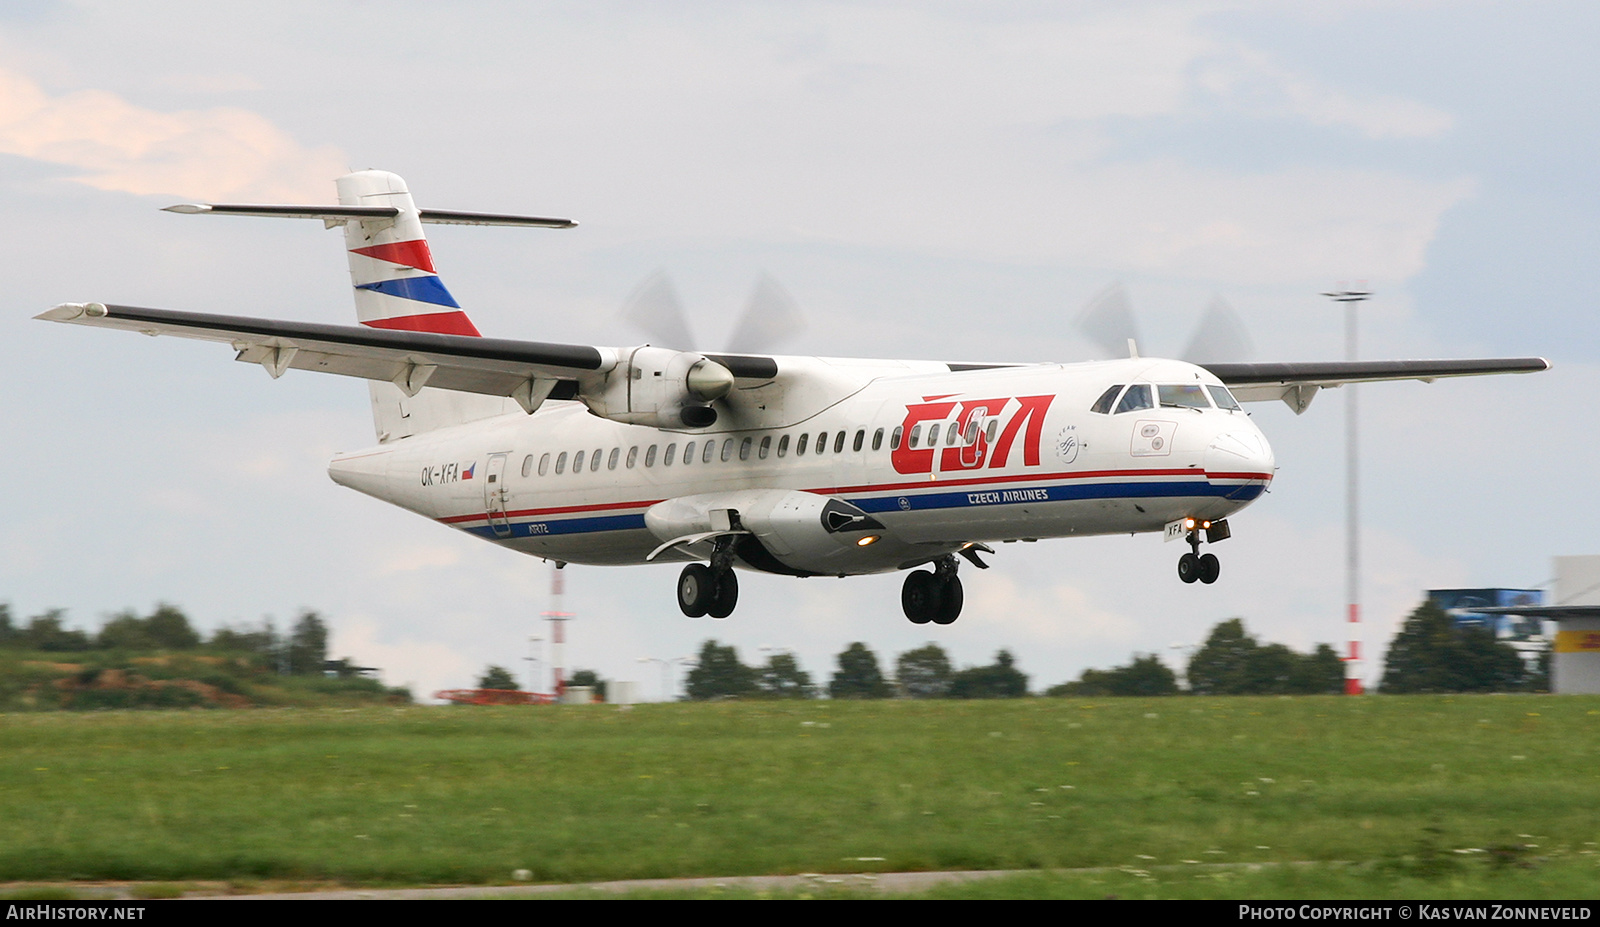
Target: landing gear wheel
[[921, 597], [696, 589], [725, 596], [951, 599], [1210, 568], [1189, 567]]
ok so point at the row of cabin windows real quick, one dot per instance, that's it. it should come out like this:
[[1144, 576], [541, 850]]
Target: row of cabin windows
[[709, 452]]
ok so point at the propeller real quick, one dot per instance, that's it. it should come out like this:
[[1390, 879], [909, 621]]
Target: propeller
[[1108, 320], [771, 316]]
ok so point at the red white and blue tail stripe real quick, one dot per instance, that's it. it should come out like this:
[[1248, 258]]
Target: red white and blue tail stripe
[[391, 268]]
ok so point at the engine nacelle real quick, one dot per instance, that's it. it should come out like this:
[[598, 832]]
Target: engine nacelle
[[659, 387], [801, 532]]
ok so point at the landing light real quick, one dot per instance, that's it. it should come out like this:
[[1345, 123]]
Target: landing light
[[868, 540]]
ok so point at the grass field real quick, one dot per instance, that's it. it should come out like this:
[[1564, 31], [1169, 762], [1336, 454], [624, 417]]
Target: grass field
[[1453, 794]]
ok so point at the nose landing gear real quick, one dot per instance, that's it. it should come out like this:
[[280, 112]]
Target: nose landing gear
[[1195, 565], [933, 596]]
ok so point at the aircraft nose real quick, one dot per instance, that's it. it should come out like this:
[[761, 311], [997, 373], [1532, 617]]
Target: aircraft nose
[[1240, 459]]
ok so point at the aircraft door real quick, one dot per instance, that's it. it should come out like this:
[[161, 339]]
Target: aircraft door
[[495, 495]]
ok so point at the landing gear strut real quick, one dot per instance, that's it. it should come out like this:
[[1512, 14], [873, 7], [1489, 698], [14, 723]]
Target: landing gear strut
[[710, 590], [933, 596], [1195, 565]]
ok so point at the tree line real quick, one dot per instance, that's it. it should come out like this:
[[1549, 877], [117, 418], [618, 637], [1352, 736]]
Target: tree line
[[1430, 653], [925, 672], [303, 650]]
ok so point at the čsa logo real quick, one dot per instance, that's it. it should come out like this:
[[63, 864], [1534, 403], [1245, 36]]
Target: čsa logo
[[968, 440]]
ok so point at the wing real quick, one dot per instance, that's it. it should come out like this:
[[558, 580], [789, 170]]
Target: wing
[[527, 371], [1297, 383]]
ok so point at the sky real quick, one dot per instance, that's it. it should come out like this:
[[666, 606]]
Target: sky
[[927, 180]]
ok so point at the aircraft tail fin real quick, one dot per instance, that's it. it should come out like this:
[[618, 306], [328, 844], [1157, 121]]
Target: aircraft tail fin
[[397, 287], [391, 268]]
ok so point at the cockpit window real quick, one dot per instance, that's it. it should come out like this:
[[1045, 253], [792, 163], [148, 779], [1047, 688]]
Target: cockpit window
[[1187, 396], [1106, 400], [1223, 398], [1137, 397]]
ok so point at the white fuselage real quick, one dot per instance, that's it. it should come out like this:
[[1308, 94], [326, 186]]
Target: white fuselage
[[1016, 453]]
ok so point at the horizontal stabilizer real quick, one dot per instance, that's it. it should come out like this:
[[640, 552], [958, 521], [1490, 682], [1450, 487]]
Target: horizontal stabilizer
[[338, 214]]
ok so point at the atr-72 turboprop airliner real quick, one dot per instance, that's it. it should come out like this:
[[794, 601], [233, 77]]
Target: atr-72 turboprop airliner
[[804, 466]]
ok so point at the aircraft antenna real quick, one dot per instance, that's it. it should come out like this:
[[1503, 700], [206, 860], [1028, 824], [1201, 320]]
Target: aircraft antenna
[[1352, 509]]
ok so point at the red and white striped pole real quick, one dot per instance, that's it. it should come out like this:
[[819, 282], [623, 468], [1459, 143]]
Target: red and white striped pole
[[558, 633], [1352, 511]]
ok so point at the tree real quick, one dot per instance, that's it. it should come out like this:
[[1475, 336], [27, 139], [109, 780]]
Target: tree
[[497, 677], [782, 677], [858, 675], [1219, 667], [1319, 673], [1232, 663], [999, 680], [924, 672], [124, 631], [10, 634], [169, 628], [1145, 676], [719, 674], [308, 645], [44, 632], [1431, 654]]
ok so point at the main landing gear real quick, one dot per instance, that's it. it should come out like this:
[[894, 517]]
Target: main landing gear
[[1195, 565], [710, 590], [933, 596]]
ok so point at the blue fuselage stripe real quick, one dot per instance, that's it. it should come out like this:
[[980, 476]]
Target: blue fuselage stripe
[[911, 502]]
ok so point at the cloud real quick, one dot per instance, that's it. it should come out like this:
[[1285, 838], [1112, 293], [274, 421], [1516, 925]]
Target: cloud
[[216, 154]]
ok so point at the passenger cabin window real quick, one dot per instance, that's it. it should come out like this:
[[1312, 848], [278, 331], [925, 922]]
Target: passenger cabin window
[[650, 456], [766, 446], [727, 450], [800, 448], [577, 462], [633, 456], [933, 435], [822, 441], [688, 454], [994, 426], [838, 443], [916, 430], [894, 438], [1223, 398], [1185, 396], [1137, 397], [527, 465], [711, 451], [861, 437], [544, 465], [783, 445], [611, 462], [1106, 401], [668, 454], [594, 460], [744, 449], [877, 439]]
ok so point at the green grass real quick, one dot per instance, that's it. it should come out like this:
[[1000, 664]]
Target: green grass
[[1401, 791]]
